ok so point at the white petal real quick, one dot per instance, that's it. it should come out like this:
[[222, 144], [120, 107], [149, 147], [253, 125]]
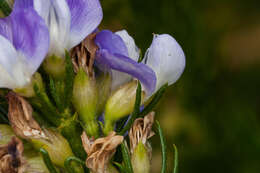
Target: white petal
[[121, 78], [57, 16], [166, 58], [13, 72]]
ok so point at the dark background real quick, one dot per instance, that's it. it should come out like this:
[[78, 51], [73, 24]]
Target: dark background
[[212, 113]]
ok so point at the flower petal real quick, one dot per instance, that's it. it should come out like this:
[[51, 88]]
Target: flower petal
[[124, 64], [166, 58], [114, 43], [5, 28], [133, 50], [86, 15], [30, 37], [10, 74], [106, 39], [56, 14]]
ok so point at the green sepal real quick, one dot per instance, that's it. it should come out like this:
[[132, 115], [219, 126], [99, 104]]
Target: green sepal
[[155, 99]]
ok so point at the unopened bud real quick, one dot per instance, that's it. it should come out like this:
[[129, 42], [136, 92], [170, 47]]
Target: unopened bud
[[120, 104], [55, 66], [28, 90], [140, 159], [85, 99]]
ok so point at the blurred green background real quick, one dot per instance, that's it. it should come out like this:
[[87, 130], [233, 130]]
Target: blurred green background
[[212, 113]]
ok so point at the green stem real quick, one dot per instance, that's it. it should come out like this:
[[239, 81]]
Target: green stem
[[47, 161], [163, 148]]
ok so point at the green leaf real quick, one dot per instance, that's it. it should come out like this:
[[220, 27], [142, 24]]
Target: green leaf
[[175, 165], [47, 161], [136, 111], [55, 95], [46, 107], [163, 147], [3, 115], [156, 98], [121, 167], [69, 79], [126, 158], [4, 7]]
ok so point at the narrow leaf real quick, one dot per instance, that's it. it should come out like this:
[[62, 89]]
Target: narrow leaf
[[175, 165], [163, 148], [69, 79], [4, 7], [47, 161], [55, 95], [121, 167], [156, 98], [136, 111], [126, 158]]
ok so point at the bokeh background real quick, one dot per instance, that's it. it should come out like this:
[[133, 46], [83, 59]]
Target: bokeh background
[[212, 113]]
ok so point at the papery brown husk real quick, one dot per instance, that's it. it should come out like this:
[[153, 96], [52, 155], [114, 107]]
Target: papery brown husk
[[20, 117], [100, 151], [11, 159], [141, 131]]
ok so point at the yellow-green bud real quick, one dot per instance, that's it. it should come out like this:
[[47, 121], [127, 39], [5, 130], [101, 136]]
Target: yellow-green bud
[[28, 90], [35, 164], [120, 104], [56, 145], [85, 99], [55, 66], [140, 159]]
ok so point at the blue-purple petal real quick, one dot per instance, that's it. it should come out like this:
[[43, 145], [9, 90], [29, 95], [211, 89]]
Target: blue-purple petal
[[86, 15], [5, 28], [125, 64], [30, 36], [106, 39], [22, 4]]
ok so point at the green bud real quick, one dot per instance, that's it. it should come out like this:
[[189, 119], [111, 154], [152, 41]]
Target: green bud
[[120, 104], [85, 99], [6, 134], [35, 164], [28, 90], [140, 159], [55, 66], [56, 145]]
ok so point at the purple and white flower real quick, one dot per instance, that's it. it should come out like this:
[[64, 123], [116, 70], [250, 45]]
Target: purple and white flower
[[24, 40], [69, 21], [163, 63], [119, 55]]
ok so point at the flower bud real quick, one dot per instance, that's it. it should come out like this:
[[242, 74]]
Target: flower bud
[[55, 66], [85, 99], [28, 90], [140, 159], [120, 104], [140, 149], [35, 164]]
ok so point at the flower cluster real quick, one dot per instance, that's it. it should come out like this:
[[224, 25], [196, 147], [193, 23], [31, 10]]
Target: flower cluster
[[93, 91]]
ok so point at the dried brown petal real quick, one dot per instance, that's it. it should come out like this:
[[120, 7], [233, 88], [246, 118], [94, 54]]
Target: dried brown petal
[[83, 55], [20, 117], [141, 130], [100, 151], [11, 160]]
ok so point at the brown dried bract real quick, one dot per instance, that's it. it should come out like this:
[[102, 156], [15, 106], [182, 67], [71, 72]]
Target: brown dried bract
[[83, 55], [100, 151], [141, 130], [20, 117], [11, 160]]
